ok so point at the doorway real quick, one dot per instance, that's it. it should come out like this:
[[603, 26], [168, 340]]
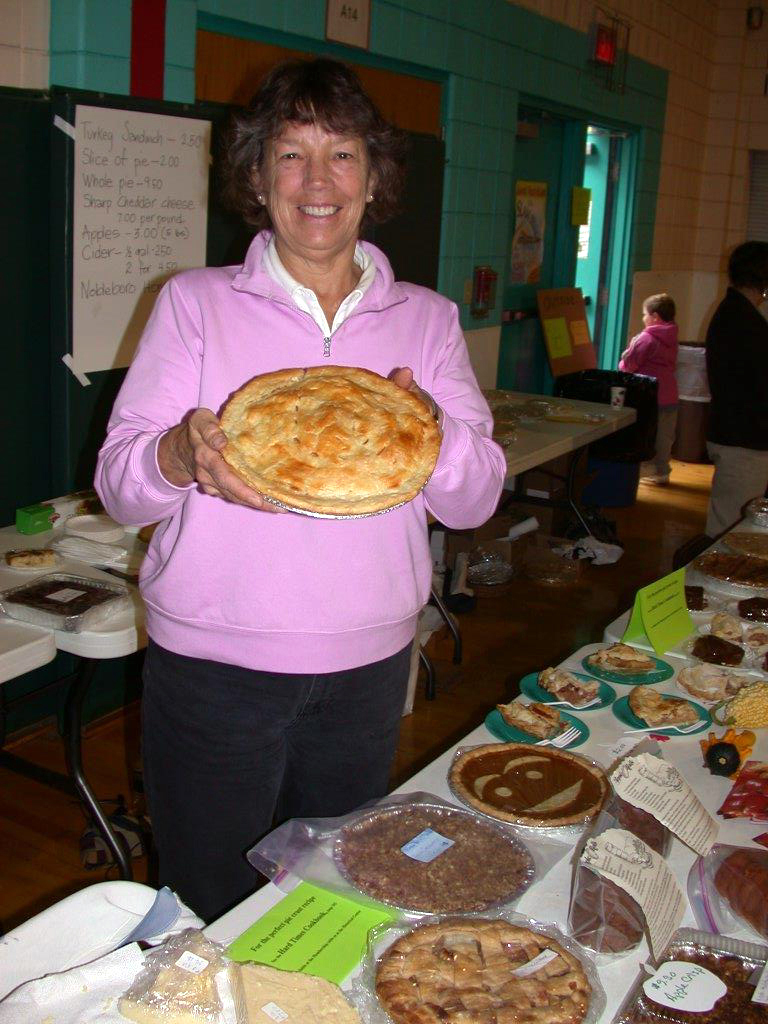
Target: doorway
[[553, 154], [599, 244]]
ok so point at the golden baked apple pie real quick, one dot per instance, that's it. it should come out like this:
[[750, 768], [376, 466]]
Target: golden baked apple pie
[[481, 970], [330, 440]]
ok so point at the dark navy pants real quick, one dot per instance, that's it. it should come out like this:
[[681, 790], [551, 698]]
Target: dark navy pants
[[230, 752]]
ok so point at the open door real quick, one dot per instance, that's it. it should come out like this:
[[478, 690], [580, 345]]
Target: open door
[[603, 245]]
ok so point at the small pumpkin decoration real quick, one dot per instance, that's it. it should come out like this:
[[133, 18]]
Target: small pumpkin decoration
[[726, 754]]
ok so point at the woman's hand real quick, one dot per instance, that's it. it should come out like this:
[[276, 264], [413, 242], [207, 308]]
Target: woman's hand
[[192, 451], [403, 377]]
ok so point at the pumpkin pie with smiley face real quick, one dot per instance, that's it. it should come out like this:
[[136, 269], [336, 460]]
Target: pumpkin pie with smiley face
[[538, 786]]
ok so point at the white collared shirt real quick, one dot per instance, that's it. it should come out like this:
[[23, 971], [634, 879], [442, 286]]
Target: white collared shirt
[[306, 299]]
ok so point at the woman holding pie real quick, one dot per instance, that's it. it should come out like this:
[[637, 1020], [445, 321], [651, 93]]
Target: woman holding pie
[[279, 643]]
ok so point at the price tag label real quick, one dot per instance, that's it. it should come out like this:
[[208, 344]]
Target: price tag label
[[760, 994], [684, 986], [65, 595], [192, 962], [274, 1012], [545, 956], [426, 846]]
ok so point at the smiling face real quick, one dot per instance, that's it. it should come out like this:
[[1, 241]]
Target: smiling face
[[315, 186]]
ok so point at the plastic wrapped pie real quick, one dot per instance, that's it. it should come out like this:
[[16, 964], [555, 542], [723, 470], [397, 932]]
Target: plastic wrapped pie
[[330, 440]]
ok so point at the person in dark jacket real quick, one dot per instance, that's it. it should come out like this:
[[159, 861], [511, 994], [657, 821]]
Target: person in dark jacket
[[737, 369]]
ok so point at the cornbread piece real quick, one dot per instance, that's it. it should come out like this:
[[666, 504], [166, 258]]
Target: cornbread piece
[[31, 558], [754, 609], [333, 440], [565, 686], [177, 984], [264, 995], [696, 599], [622, 658], [541, 787], [463, 971], [717, 651], [485, 865], [536, 719], [710, 682], [658, 709]]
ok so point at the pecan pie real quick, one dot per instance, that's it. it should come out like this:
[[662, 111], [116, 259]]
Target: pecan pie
[[538, 786], [483, 865], [330, 440], [480, 970]]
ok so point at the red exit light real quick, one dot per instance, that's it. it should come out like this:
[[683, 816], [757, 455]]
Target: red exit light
[[605, 45]]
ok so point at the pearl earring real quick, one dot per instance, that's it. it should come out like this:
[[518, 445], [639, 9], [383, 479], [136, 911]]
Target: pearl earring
[[370, 197], [260, 197]]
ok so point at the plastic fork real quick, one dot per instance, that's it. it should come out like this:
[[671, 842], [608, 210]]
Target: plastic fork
[[561, 740], [692, 727]]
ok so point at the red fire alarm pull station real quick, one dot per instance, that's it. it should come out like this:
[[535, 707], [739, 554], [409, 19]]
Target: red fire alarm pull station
[[483, 291]]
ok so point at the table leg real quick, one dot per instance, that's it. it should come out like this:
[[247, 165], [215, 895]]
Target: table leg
[[73, 719]]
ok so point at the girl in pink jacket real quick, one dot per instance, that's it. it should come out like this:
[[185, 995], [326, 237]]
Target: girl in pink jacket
[[653, 352]]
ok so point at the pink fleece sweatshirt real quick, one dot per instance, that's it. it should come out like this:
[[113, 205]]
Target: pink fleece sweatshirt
[[654, 352], [289, 593]]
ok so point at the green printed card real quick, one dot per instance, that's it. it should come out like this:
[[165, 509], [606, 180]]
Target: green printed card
[[660, 613], [311, 930]]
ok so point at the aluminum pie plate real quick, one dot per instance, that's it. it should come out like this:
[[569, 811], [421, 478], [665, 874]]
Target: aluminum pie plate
[[328, 515]]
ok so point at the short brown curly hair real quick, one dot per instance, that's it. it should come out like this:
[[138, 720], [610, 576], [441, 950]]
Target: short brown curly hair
[[663, 305], [320, 91]]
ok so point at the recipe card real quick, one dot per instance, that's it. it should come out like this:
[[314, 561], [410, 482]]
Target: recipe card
[[660, 613], [637, 869], [657, 787], [311, 930]]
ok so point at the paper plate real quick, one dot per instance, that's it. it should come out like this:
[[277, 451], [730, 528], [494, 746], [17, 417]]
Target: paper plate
[[626, 716], [97, 527], [530, 687], [661, 672], [496, 725]]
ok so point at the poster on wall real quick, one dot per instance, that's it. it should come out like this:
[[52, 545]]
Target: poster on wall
[[528, 239], [140, 215], [565, 329]]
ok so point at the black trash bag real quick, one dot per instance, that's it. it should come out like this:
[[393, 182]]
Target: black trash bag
[[635, 443]]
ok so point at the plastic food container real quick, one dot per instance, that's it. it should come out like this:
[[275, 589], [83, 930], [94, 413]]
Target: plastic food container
[[756, 513], [737, 964], [65, 601]]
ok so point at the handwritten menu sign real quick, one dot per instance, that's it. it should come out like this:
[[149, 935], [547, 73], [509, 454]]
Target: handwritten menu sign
[[140, 215]]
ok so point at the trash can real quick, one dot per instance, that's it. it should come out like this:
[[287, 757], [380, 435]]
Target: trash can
[[613, 463], [694, 403]]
